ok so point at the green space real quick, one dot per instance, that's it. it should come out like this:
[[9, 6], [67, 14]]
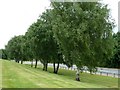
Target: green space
[[67, 33], [15, 75]]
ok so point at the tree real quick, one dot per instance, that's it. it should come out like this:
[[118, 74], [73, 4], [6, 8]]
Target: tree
[[44, 45], [31, 46], [13, 48], [84, 31], [23, 49], [3, 54], [114, 61], [116, 58]]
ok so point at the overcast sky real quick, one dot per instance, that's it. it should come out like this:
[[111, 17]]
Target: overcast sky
[[17, 15]]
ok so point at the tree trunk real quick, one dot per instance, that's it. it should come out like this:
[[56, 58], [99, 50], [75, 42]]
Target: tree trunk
[[32, 63], [18, 61], [15, 60], [57, 68], [21, 61], [90, 69], [43, 66], [91, 72], [54, 66], [36, 63], [46, 66]]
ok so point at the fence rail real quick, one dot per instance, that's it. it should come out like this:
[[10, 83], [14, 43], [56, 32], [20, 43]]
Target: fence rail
[[99, 72]]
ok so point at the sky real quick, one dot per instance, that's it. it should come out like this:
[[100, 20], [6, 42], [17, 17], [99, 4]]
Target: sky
[[17, 15]]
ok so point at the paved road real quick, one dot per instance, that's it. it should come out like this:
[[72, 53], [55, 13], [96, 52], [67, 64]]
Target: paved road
[[100, 71]]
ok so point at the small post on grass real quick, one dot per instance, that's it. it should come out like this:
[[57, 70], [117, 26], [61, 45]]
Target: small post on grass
[[107, 74], [77, 75], [114, 74]]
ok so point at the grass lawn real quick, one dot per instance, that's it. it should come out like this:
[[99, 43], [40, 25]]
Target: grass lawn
[[15, 75]]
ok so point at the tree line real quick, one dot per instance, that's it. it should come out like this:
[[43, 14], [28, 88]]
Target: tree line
[[74, 33]]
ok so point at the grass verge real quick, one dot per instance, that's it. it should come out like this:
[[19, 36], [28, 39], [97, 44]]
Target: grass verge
[[15, 75]]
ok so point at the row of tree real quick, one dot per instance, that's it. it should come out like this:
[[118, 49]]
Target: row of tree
[[77, 33], [114, 61]]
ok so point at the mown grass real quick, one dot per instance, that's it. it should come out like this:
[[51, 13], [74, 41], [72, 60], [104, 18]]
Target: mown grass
[[15, 75]]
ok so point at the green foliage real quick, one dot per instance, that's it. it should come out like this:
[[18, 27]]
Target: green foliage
[[114, 62], [15, 48], [84, 31], [3, 54]]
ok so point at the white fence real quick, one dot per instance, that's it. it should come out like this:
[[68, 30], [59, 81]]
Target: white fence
[[100, 71]]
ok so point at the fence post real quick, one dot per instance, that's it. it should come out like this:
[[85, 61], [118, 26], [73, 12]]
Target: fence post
[[107, 74], [118, 75], [114, 74]]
